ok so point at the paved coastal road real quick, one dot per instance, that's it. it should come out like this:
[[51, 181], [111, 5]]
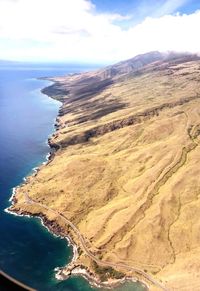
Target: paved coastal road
[[92, 256]]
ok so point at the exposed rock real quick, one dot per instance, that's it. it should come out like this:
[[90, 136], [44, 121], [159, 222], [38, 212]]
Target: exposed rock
[[125, 166]]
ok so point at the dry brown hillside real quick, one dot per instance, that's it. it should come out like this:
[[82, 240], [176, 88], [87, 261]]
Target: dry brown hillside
[[126, 168]]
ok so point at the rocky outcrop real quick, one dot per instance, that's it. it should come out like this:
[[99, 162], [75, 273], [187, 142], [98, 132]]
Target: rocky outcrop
[[133, 195]]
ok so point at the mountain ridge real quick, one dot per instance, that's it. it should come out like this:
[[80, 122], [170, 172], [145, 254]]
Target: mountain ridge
[[124, 169]]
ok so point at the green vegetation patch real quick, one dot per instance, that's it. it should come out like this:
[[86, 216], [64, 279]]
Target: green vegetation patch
[[107, 272]]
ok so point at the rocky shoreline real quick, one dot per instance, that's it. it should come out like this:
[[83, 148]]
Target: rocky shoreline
[[121, 176], [72, 269]]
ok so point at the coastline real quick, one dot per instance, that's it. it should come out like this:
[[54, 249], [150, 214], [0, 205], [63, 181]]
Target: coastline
[[33, 173], [62, 273], [121, 175]]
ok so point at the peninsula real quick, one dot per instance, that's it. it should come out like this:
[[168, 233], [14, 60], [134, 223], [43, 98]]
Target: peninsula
[[122, 181]]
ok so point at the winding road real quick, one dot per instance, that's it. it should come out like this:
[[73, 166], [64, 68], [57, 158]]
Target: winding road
[[92, 256]]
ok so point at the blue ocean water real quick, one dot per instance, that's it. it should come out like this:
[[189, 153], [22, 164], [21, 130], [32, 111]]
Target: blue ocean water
[[28, 251]]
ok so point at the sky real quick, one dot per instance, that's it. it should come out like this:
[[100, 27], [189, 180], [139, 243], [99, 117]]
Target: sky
[[96, 31]]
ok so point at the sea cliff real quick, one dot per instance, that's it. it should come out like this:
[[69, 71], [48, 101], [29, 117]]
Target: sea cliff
[[121, 178]]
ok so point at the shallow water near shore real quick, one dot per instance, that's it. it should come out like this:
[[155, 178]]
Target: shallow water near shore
[[28, 251]]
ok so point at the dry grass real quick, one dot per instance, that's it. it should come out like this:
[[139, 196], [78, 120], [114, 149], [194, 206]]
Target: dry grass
[[134, 192]]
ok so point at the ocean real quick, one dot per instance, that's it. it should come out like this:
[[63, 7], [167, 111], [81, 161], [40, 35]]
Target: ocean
[[28, 251]]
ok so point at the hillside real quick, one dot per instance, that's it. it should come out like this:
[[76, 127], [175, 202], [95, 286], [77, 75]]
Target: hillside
[[124, 168]]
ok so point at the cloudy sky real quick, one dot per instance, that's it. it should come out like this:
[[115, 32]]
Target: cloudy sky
[[96, 31]]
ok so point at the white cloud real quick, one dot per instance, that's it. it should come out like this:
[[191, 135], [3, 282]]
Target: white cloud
[[73, 30]]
